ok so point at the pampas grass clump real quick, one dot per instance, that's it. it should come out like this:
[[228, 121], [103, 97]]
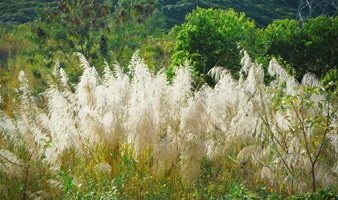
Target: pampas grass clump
[[168, 124]]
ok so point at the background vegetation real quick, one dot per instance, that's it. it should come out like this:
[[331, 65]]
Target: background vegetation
[[195, 118], [263, 12], [21, 11]]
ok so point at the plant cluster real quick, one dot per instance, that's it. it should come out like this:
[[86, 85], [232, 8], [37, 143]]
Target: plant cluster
[[212, 38], [309, 48], [135, 135]]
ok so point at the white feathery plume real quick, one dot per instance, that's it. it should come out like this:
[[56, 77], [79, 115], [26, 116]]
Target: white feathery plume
[[245, 63], [60, 123], [310, 80], [118, 72], [178, 125], [10, 163], [0, 96], [83, 61], [181, 86], [218, 73], [64, 77], [56, 69], [8, 128], [255, 79], [277, 70]]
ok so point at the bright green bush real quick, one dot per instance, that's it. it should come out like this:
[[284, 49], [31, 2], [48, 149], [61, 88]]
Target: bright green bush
[[212, 38]]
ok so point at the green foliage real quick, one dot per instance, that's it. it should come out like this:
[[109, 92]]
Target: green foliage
[[263, 12], [320, 37], [68, 185], [113, 34], [12, 43], [330, 81], [238, 192], [75, 26], [321, 194], [280, 32], [22, 11], [314, 112], [134, 10], [29, 173], [130, 34], [311, 48], [210, 38], [157, 52]]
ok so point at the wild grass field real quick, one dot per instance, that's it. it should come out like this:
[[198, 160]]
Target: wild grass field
[[121, 99], [136, 136]]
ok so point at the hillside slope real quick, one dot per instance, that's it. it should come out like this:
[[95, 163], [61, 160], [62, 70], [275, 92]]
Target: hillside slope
[[262, 11], [22, 11]]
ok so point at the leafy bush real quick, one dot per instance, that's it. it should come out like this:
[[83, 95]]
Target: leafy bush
[[210, 38]]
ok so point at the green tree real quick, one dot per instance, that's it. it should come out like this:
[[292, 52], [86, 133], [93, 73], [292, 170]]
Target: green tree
[[283, 40], [75, 26], [320, 36], [211, 38], [157, 50], [134, 22], [310, 48]]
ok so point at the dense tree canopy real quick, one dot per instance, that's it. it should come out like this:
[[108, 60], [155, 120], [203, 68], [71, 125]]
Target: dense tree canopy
[[310, 48], [212, 38], [113, 30]]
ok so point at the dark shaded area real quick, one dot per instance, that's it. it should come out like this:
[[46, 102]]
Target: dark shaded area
[[22, 11], [262, 11]]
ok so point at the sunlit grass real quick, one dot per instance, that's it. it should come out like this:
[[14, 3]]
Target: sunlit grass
[[136, 136]]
